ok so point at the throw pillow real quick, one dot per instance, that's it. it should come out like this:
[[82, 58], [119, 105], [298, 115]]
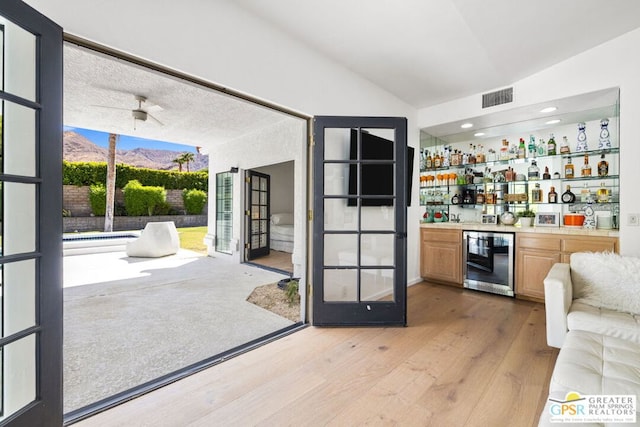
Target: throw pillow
[[607, 280]]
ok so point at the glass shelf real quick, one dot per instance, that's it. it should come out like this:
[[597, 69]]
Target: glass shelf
[[515, 161]]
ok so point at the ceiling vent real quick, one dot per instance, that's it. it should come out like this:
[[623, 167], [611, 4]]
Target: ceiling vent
[[498, 97]]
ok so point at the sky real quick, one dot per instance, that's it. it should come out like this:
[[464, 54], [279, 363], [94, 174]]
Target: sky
[[129, 142]]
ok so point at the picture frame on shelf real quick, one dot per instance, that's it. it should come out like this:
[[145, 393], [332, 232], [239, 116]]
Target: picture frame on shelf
[[547, 219], [489, 219]]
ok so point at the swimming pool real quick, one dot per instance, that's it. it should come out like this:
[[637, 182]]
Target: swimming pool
[[89, 243]]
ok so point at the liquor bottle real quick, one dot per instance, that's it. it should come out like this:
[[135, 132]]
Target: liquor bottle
[[582, 139], [504, 150], [480, 156], [522, 151], [568, 196], [534, 171], [586, 168], [542, 147], [603, 167], [446, 160], [602, 195], [455, 199], [480, 197], [546, 174], [509, 174], [568, 170], [532, 146], [536, 194], [491, 197], [553, 196], [437, 161], [585, 193], [564, 148], [429, 161], [604, 142], [551, 146]]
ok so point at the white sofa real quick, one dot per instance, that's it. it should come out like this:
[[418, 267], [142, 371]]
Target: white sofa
[[592, 310]]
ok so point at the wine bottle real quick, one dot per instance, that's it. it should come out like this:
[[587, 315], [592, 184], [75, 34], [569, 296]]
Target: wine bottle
[[551, 146]]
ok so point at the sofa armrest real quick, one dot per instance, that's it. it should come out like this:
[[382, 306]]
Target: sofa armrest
[[558, 295]]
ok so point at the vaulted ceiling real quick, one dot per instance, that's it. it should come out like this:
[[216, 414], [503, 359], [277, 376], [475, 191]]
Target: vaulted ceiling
[[430, 51]]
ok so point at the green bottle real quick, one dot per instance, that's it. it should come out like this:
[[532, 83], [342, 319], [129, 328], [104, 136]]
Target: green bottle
[[551, 146]]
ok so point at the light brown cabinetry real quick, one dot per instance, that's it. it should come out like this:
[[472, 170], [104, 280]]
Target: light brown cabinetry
[[441, 255], [536, 254]]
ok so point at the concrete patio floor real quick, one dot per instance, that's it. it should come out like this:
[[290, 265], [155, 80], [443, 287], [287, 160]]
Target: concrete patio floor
[[131, 320]]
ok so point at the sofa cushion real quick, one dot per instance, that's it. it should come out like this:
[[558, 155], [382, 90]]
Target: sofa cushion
[[613, 323], [607, 280], [594, 364]]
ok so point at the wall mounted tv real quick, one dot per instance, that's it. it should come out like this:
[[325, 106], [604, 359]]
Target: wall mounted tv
[[377, 179]]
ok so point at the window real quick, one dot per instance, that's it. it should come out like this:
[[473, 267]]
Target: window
[[224, 212]]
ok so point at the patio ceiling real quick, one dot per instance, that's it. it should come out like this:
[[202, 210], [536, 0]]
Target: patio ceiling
[[99, 94]]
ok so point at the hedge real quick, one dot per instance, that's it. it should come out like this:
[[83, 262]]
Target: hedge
[[142, 199], [95, 173]]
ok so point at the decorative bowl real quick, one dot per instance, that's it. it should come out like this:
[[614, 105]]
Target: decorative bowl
[[508, 218]]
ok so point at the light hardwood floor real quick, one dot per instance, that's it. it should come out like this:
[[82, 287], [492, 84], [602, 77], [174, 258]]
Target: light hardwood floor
[[465, 359], [276, 259]]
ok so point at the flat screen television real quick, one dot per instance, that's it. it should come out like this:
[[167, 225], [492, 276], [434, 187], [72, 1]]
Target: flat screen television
[[377, 179]]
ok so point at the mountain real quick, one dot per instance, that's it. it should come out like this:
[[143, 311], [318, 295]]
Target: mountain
[[77, 148]]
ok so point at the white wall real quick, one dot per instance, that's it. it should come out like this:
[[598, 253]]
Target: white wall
[[285, 141], [612, 64], [281, 180], [219, 42]]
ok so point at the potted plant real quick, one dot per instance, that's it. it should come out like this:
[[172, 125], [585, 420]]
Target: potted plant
[[526, 217]]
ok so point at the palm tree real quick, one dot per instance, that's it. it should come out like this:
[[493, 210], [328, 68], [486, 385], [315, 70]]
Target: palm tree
[[111, 182], [179, 160], [187, 158]]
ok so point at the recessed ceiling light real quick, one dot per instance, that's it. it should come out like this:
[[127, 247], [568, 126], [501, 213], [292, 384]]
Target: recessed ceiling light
[[479, 134], [553, 122], [548, 109], [466, 125]]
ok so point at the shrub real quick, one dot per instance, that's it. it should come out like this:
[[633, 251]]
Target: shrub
[[142, 200], [98, 199], [163, 208], [194, 201]]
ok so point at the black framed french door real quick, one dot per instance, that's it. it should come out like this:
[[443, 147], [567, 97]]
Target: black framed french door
[[31, 218], [257, 213], [359, 220]]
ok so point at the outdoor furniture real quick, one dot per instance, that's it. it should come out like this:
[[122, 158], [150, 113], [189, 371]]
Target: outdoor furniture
[[158, 239]]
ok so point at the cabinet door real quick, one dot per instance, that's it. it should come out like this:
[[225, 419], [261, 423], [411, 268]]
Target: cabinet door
[[531, 269], [441, 262]]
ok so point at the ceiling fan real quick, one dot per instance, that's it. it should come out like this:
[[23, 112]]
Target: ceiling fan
[[139, 113]]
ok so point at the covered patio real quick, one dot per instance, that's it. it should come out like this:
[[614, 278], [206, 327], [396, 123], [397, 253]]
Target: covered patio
[[131, 320]]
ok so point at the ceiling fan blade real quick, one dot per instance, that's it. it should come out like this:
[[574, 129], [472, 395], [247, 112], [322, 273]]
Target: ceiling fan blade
[[111, 108], [154, 109], [158, 121]]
